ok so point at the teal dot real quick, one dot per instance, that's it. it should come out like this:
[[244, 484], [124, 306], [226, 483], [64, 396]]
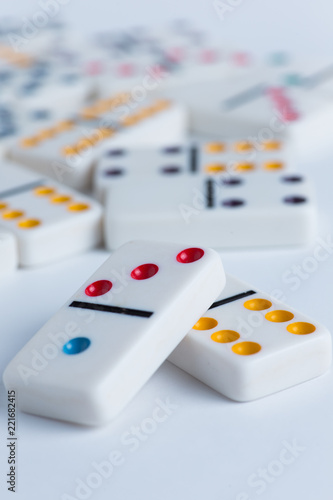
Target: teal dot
[[278, 58], [76, 345], [291, 79]]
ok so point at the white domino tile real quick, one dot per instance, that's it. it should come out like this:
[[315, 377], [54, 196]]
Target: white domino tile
[[247, 345], [257, 209], [89, 360], [49, 220], [8, 252]]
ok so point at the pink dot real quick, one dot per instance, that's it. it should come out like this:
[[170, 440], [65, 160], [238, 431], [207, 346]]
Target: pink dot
[[126, 69], [208, 56], [98, 288], [190, 255], [144, 271]]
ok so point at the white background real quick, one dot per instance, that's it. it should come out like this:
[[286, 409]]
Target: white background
[[209, 446]]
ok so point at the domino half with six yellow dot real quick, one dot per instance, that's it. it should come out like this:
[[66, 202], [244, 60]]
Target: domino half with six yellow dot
[[8, 252], [88, 361], [189, 158], [247, 346], [48, 220], [68, 150]]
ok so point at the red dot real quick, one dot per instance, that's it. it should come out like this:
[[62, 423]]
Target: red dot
[[190, 255], [144, 271], [98, 288]]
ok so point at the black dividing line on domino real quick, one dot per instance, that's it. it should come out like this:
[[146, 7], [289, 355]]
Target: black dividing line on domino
[[111, 309], [244, 97], [21, 189], [210, 201], [232, 299], [193, 159]]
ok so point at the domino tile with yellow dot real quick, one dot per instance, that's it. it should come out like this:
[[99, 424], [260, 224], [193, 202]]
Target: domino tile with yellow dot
[[247, 346], [48, 220]]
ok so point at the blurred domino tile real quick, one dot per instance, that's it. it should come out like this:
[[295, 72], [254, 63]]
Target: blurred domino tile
[[8, 252], [247, 346], [228, 211], [48, 220], [68, 150], [197, 157]]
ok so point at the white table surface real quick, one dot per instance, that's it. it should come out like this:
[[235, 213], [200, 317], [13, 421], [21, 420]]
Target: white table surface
[[208, 447]]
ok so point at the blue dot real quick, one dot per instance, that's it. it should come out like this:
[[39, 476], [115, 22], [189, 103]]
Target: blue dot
[[76, 345]]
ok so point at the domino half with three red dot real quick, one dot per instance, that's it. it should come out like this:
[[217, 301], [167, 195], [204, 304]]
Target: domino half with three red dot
[[48, 220], [87, 362], [247, 346]]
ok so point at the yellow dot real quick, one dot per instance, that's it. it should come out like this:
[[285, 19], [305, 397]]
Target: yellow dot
[[215, 147], [225, 336], [61, 198], [29, 142], [205, 324], [69, 150], [242, 146], [78, 207], [47, 133], [28, 223], [215, 168], [273, 165], [301, 328], [279, 316], [12, 214], [3, 205], [246, 348], [44, 191], [83, 144], [271, 145], [257, 304], [64, 125], [244, 167]]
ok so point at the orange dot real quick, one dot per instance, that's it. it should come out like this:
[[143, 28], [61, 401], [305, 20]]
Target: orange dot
[[257, 304], [244, 166], [215, 168], [47, 133], [28, 223], [205, 323], [61, 198], [271, 145], [279, 316], [301, 328], [69, 150], [29, 142], [215, 147], [3, 205], [246, 348], [44, 191], [273, 165], [242, 146], [78, 207], [225, 336], [12, 214]]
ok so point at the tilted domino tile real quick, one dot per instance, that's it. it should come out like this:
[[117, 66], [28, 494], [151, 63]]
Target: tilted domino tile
[[49, 220], [247, 346], [256, 108], [198, 157], [252, 210], [68, 151], [8, 252], [102, 346]]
